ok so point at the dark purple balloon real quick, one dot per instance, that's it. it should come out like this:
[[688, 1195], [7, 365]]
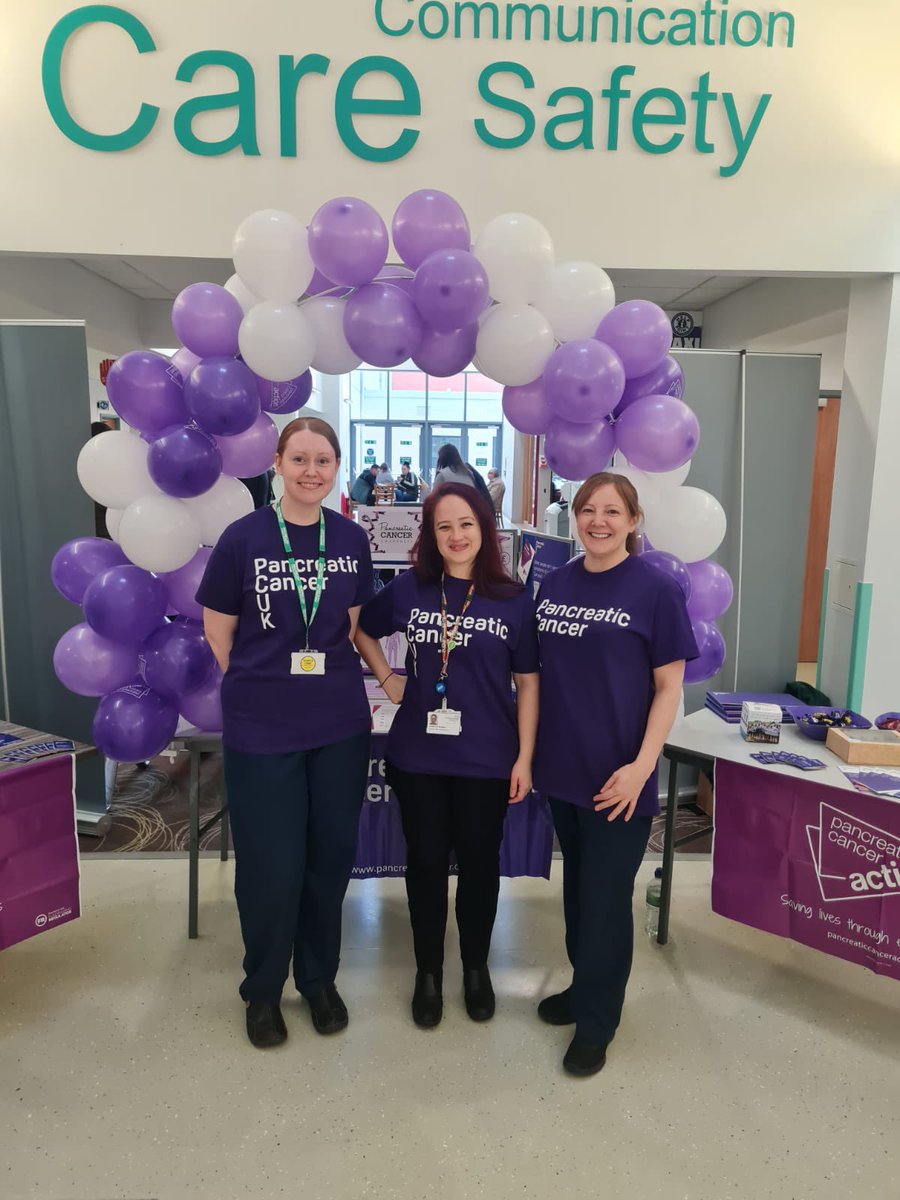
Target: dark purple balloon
[[181, 585], [577, 451], [78, 562], [658, 433], [206, 319], [125, 604], [672, 566], [711, 645], [176, 658], [446, 354], [665, 380], [712, 590], [527, 408], [426, 221], [583, 380], [223, 396], [91, 665], [348, 241], [450, 289], [203, 707], [184, 462], [134, 723], [147, 391], [284, 397], [382, 325]]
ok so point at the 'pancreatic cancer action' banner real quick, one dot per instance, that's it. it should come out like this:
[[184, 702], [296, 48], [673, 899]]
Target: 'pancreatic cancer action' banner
[[820, 865]]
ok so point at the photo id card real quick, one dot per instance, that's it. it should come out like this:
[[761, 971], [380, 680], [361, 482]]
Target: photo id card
[[308, 662], [446, 721]]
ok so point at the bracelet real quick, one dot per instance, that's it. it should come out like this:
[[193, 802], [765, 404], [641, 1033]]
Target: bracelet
[[382, 682]]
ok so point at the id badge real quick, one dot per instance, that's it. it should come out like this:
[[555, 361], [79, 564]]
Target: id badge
[[308, 662], [444, 720]]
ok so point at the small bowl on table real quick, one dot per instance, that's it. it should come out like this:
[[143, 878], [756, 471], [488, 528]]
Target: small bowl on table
[[888, 720], [815, 723]]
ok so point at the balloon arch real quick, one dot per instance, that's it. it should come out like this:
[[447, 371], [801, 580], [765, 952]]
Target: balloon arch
[[594, 377]]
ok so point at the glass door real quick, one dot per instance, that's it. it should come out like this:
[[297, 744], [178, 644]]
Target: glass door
[[482, 448]]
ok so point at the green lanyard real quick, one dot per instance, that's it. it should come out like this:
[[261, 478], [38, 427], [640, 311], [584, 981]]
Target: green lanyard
[[308, 618]]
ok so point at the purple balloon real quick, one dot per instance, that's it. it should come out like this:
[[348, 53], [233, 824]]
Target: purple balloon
[[91, 665], [78, 562], [577, 451], [206, 318], [527, 408], [125, 604], [184, 462], [667, 379], [446, 354], [711, 645], [348, 241], [284, 397], [176, 659], [319, 286], [382, 325], [134, 723], [147, 391], [184, 361], [203, 707], [400, 277], [251, 452], [223, 396], [583, 381], [639, 332], [181, 585], [658, 433], [451, 289], [672, 566], [426, 221], [712, 590]]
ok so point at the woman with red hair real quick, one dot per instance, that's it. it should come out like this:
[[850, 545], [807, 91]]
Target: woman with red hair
[[459, 750]]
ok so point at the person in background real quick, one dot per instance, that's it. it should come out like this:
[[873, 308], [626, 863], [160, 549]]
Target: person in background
[[363, 490], [384, 475], [260, 488], [406, 489], [100, 530], [470, 632], [452, 469], [296, 726], [610, 688], [497, 489]]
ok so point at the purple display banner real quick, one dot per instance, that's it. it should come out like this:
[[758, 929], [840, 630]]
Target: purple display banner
[[381, 852], [820, 865], [39, 880]]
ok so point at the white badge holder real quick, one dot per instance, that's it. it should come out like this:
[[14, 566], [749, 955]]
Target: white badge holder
[[445, 721], [307, 662]]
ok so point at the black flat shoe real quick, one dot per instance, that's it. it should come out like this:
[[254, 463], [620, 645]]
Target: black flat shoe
[[265, 1024], [328, 1011], [584, 1058], [478, 992], [428, 1002], [557, 1010]]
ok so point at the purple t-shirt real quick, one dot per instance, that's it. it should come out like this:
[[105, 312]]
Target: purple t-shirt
[[601, 636], [497, 638], [266, 709]]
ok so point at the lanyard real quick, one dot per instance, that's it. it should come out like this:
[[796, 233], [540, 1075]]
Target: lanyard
[[448, 634], [308, 618]]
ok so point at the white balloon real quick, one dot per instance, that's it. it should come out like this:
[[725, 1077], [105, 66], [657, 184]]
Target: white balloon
[[574, 298], [271, 255], [112, 468], [226, 501], [514, 343], [685, 521], [113, 517], [158, 533], [655, 478], [516, 251], [325, 315], [245, 298], [276, 341]]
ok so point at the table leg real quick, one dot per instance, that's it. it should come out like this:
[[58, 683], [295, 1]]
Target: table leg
[[193, 840], [665, 898]]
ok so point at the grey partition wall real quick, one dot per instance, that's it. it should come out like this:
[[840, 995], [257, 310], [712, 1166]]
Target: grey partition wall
[[44, 422]]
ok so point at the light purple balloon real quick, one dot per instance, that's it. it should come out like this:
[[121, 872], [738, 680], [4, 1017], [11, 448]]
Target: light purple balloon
[[203, 707], [125, 604], [672, 566], [91, 665], [711, 645], [658, 433], [382, 325], [446, 354], [206, 319], [176, 659], [583, 380], [76, 563], [712, 590], [184, 462], [451, 289], [577, 451], [319, 286], [251, 452], [426, 221], [348, 241], [527, 408], [181, 585], [184, 361], [666, 379], [134, 723], [284, 397], [147, 391], [400, 277], [639, 332], [223, 396]]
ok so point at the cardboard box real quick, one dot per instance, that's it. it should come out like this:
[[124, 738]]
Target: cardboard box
[[761, 722], [876, 747]]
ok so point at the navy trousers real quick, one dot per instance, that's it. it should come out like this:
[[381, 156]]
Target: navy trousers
[[294, 822], [600, 861]]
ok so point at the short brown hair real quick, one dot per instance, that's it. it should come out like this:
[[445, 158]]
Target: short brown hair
[[314, 425], [627, 494]]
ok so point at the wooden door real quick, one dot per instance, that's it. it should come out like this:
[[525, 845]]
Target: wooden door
[[819, 520]]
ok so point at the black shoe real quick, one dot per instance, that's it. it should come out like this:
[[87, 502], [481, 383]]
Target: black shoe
[[478, 992], [328, 1011], [585, 1058], [557, 1010], [265, 1024], [428, 1002]]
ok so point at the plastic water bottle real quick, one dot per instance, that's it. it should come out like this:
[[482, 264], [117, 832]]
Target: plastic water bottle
[[654, 894]]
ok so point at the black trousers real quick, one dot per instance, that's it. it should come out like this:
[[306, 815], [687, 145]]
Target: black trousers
[[441, 813], [294, 821], [600, 861]]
